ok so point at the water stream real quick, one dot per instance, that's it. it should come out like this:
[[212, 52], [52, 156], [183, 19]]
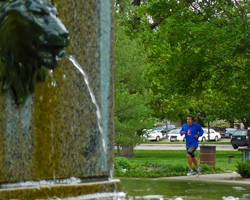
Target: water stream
[[86, 80]]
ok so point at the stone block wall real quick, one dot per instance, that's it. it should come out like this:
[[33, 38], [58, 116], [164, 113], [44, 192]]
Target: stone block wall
[[55, 135]]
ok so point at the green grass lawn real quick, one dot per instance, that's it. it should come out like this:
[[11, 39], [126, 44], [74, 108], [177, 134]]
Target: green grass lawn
[[178, 157]]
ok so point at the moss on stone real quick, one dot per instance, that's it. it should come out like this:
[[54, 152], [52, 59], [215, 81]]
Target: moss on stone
[[60, 190]]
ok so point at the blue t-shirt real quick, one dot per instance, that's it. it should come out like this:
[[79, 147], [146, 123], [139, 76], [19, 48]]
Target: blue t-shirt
[[191, 131]]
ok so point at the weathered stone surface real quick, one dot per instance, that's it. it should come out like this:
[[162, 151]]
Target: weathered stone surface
[[60, 190], [55, 133]]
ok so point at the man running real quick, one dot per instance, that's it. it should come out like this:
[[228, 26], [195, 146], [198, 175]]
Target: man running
[[192, 132]]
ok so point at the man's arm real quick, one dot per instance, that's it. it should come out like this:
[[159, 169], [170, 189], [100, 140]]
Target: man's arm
[[182, 131], [200, 131]]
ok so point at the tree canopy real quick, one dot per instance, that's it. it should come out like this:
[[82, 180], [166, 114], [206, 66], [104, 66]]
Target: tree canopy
[[175, 58], [132, 112], [199, 50]]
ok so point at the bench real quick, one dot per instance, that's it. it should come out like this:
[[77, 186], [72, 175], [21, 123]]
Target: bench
[[230, 158]]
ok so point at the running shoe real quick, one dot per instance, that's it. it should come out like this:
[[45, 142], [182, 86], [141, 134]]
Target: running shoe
[[198, 171], [190, 172]]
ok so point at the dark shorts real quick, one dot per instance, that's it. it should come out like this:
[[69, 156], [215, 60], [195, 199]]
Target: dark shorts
[[191, 150]]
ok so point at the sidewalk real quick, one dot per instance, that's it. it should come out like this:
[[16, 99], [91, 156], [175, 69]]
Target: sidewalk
[[176, 146], [220, 177]]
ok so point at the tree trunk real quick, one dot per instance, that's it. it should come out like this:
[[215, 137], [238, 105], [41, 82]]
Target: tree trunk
[[121, 4], [246, 123], [183, 119], [136, 19], [200, 122], [118, 150], [128, 151], [231, 122], [166, 127]]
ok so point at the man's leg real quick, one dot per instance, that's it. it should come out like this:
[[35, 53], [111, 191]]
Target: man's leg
[[198, 169], [190, 171], [191, 156], [190, 160], [195, 162]]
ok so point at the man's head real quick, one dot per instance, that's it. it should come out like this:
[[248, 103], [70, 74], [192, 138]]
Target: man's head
[[190, 120]]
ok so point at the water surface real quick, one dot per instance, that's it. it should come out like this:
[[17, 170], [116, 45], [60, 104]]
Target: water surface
[[176, 189]]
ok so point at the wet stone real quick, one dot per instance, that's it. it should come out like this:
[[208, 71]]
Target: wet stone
[[55, 133]]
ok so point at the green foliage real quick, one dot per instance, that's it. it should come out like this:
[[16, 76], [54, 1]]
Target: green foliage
[[154, 165], [149, 170], [132, 113], [194, 58], [197, 55], [243, 169], [219, 124], [179, 157], [122, 163], [207, 169]]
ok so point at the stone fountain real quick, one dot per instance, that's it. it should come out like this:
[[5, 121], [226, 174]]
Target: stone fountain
[[51, 144]]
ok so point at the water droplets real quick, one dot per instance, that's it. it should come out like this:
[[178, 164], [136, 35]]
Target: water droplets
[[230, 198], [58, 58], [53, 83], [51, 74], [71, 180]]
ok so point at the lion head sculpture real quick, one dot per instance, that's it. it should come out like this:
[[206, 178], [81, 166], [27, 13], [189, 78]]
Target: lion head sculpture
[[32, 38]]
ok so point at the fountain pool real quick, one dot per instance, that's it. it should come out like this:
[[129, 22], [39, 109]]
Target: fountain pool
[[186, 190]]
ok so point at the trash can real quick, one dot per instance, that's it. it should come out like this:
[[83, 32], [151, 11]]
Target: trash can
[[207, 155]]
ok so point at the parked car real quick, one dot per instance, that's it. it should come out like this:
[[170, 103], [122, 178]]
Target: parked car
[[240, 137], [153, 135], [171, 127], [229, 132], [163, 129], [174, 135], [213, 135], [220, 130]]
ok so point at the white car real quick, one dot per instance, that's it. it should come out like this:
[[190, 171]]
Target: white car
[[174, 135], [213, 135], [153, 135]]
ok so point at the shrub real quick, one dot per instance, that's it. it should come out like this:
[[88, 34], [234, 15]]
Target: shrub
[[122, 163], [149, 170], [207, 169], [243, 169]]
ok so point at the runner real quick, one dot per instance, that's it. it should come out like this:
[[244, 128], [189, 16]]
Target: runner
[[192, 132]]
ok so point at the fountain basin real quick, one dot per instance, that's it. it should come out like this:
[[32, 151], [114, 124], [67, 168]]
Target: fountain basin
[[45, 191]]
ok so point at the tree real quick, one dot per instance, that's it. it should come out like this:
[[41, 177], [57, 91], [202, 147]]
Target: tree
[[196, 58], [132, 114], [198, 47]]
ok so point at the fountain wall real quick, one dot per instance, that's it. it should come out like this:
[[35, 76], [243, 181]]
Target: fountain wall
[[55, 134]]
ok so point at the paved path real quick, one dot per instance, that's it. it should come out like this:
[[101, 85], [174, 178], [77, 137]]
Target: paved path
[[220, 177], [225, 147]]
